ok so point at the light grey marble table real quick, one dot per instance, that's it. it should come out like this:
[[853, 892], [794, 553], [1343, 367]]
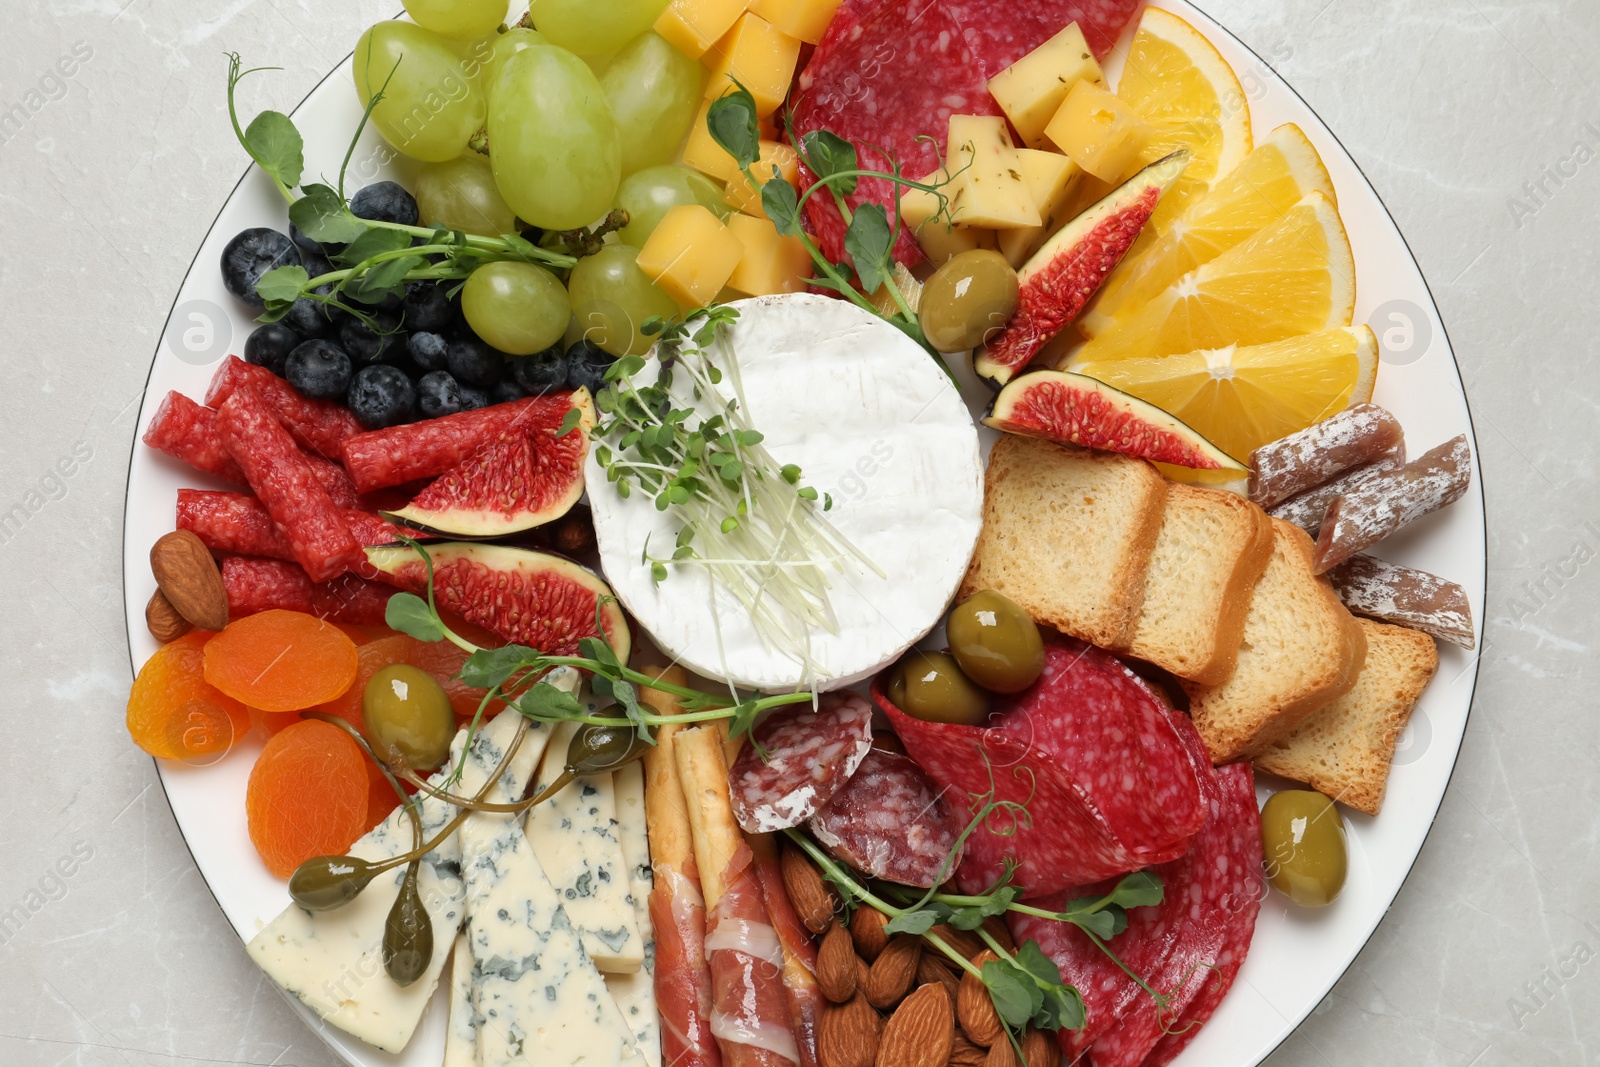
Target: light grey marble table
[[1475, 119]]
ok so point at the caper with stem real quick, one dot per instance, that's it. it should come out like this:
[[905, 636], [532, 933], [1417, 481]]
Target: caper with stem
[[407, 932], [323, 883]]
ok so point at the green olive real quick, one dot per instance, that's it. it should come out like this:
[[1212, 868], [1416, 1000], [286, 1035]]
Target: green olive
[[937, 691], [405, 712], [996, 642], [1302, 840], [967, 300]]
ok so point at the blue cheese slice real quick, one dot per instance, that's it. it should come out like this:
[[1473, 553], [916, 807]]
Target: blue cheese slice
[[635, 993], [461, 1029], [574, 838], [873, 422], [332, 961]]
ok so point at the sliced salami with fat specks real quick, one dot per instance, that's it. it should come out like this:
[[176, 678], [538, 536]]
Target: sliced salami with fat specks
[[890, 821], [1092, 753], [808, 756]]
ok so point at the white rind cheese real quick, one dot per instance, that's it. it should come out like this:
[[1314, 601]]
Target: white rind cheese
[[332, 961], [574, 838], [635, 993], [872, 421]]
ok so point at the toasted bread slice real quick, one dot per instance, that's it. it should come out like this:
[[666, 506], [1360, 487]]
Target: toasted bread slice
[[1210, 551], [1301, 650], [1345, 750], [1067, 534]]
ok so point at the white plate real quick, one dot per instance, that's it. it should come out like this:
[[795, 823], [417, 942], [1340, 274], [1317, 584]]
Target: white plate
[[1297, 955]]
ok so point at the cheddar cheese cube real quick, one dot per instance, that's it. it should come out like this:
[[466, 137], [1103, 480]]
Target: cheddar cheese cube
[[1101, 133], [757, 56], [805, 20], [777, 160], [772, 263], [693, 26], [1030, 91], [702, 152], [992, 190], [691, 255], [1052, 180]]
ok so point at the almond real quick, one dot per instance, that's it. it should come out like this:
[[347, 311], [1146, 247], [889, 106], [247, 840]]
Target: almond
[[163, 619], [189, 579], [894, 972], [812, 897], [997, 930], [963, 941], [866, 926], [974, 1009], [964, 1053], [836, 965], [932, 969], [863, 969], [847, 1036], [1040, 1049], [920, 1032], [1001, 1054]]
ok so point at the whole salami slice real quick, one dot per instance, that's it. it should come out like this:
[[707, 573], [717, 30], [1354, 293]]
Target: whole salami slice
[[1091, 752], [808, 756], [891, 821]]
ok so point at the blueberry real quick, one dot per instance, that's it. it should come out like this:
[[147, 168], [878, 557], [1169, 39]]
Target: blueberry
[[476, 396], [542, 371], [472, 361], [250, 255], [428, 307], [438, 394], [268, 346], [507, 390], [385, 202], [319, 370], [381, 396], [587, 364], [427, 350], [367, 345], [309, 247]]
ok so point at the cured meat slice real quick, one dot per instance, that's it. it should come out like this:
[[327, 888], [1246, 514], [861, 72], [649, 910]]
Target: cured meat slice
[[1366, 515], [381, 458], [891, 821], [749, 1006], [283, 479], [256, 585], [237, 522], [799, 954], [320, 425], [1091, 752], [1304, 460], [798, 759], [1406, 597], [682, 980]]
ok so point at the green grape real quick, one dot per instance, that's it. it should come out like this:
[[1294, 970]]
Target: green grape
[[516, 307], [594, 26], [431, 108], [652, 192], [552, 140], [490, 54], [612, 298], [460, 194], [458, 18], [654, 93]]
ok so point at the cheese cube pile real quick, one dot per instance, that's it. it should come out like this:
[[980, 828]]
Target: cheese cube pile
[[1101, 133], [804, 20], [939, 238], [771, 263], [1051, 180], [757, 56], [693, 26], [1031, 90], [777, 160], [691, 255], [988, 175]]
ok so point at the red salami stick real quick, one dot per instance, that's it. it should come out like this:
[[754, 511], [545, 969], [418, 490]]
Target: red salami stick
[[238, 523], [287, 486], [320, 425], [255, 585]]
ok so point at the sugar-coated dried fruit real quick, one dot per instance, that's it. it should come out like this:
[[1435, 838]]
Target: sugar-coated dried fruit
[[1405, 597], [1305, 460], [281, 661], [1365, 516], [308, 795], [175, 713], [1306, 509]]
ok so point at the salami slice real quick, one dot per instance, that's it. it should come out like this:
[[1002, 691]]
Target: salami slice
[[320, 425], [284, 481], [1093, 755], [808, 756], [238, 523], [891, 821]]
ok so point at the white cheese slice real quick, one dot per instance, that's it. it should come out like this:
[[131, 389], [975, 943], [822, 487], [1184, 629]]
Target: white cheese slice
[[461, 1029], [333, 960], [635, 993], [872, 421], [574, 838]]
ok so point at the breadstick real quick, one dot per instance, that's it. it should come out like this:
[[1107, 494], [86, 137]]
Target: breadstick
[[704, 776], [666, 817]]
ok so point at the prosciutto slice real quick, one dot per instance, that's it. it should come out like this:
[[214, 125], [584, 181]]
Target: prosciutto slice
[[749, 1004]]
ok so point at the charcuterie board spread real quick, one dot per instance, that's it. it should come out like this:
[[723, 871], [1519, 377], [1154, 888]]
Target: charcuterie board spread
[[651, 654]]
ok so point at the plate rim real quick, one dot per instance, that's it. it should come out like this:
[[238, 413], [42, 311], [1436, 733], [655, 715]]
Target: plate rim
[[1477, 475]]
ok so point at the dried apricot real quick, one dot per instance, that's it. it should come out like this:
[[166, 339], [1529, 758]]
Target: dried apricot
[[267, 723], [307, 796], [440, 659], [174, 713], [281, 661]]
